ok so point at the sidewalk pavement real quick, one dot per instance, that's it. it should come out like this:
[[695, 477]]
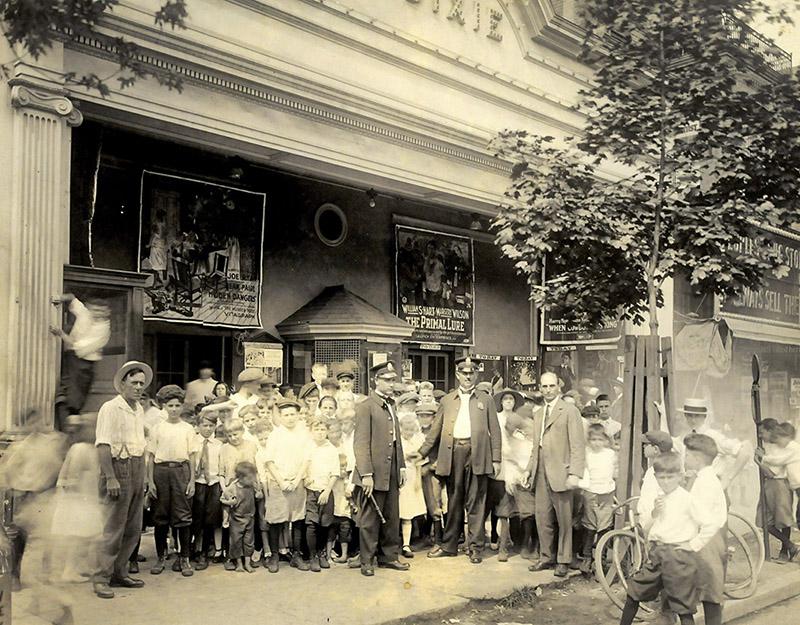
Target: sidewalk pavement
[[339, 596]]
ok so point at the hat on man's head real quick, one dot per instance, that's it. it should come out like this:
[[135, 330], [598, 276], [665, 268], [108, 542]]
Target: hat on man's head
[[426, 408], [204, 364], [342, 370], [270, 380], [660, 439], [251, 374], [695, 406], [289, 403], [132, 365], [589, 411], [306, 390], [467, 364], [438, 393], [385, 370]]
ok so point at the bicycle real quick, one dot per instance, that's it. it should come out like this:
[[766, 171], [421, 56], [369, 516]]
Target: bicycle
[[620, 553]]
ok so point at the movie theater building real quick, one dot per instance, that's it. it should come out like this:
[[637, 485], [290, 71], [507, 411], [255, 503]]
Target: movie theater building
[[319, 191]]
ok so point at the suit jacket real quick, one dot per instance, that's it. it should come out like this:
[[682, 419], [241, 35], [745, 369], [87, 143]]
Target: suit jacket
[[485, 433], [563, 450], [372, 442]]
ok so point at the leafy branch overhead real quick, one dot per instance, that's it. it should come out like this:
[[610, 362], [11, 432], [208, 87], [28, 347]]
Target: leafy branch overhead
[[33, 27], [707, 137]]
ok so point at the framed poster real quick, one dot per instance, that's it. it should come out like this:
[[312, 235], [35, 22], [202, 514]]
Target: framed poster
[[435, 285], [522, 372], [265, 356], [202, 243]]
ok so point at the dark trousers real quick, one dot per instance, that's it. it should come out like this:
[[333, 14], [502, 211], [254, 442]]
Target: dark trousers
[[206, 516], [373, 533], [241, 536], [173, 506], [465, 490], [552, 508], [124, 523], [77, 376]]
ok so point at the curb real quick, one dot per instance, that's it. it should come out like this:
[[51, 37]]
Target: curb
[[771, 591]]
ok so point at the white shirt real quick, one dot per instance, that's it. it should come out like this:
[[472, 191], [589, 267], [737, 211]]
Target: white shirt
[[198, 390], [121, 428], [323, 464], [598, 477], [241, 401], [650, 487], [172, 442], [462, 427], [675, 524], [709, 508], [212, 466], [784, 462], [547, 411], [288, 449], [88, 336]]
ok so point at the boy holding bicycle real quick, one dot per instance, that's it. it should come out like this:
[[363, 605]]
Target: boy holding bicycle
[[676, 530]]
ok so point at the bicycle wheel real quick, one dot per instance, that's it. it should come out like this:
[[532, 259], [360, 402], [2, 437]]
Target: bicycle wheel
[[752, 536], [617, 556], [741, 577]]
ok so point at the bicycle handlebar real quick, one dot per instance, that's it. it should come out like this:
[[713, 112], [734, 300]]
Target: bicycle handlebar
[[618, 508]]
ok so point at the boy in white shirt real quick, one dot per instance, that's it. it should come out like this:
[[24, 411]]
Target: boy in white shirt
[[709, 509], [322, 473], [206, 507], [598, 488], [667, 520]]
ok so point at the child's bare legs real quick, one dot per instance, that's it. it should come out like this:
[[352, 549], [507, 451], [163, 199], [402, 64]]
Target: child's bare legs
[[245, 565], [632, 607], [527, 537], [239, 564], [504, 532], [405, 526]]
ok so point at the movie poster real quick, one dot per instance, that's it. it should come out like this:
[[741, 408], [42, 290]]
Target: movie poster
[[202, 243], [434, 280]]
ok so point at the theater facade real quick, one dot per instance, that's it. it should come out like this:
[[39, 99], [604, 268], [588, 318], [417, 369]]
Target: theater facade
[[320, 190]]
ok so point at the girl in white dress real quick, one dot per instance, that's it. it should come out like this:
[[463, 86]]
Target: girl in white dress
[[412, 499]]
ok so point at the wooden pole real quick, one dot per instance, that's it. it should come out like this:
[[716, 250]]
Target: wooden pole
[[756, 397]]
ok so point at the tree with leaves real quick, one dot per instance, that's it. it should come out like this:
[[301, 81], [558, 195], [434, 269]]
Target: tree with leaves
[[31, 27], [687, 101]]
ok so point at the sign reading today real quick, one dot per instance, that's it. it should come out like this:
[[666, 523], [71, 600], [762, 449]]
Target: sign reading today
[[779, 299], [475, 14]]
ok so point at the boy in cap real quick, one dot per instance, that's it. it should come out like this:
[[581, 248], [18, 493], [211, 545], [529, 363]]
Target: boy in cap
[[655, 443], [249, 382], [431, 487], [467, 435], [309, 396]]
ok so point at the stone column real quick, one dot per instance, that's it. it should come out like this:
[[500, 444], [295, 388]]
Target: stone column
[[37, 118]]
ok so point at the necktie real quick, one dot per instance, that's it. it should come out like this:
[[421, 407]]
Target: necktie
[[204, 461], [544, 423]]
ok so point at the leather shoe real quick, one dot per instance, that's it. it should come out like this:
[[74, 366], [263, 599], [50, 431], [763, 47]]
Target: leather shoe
[[475, 557], [438, 552], [102, 590], [561, 570], [367, 570], [395, 566], [125, 582], [541, 566]]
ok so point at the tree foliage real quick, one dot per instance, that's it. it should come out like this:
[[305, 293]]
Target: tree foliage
[[33, 26], [709, 136]]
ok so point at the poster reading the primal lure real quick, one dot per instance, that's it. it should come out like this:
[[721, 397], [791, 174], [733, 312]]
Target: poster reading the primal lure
[[202, 243], [434, 279]]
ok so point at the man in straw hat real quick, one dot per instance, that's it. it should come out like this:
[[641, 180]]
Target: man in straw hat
[[121, 445], [467, 435]]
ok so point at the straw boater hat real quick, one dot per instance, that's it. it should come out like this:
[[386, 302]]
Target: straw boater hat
[[251, 374], [693, 405], [129, 366], [519, 400]]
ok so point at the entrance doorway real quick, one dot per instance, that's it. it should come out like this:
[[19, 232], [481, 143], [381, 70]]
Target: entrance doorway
[[435, 367], [176, 358]]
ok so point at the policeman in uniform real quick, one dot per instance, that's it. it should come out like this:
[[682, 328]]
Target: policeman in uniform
[[466, 433], [379, 473]]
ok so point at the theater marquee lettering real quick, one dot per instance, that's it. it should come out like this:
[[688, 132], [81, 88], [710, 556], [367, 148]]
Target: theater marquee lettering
[[468, 13]]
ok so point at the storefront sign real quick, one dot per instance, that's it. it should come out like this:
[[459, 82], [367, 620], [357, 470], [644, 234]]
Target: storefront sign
[[202, 243], [779, 299], [434, 281], [433, 347], [265, 356], [555, 330]]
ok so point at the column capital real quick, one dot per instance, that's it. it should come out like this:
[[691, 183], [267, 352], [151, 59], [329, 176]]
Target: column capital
[[27, 95]]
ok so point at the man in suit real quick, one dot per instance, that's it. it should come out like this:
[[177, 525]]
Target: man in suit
[[467, 435], [557, 463], [379, 473]]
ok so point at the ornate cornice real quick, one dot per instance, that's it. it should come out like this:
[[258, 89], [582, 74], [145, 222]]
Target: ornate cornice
[[298, 105], [55, 102]]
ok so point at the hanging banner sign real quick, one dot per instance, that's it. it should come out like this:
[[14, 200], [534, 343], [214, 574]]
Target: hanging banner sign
[[779, 299], [202, 243], [555, 330], [265, 356], [434, 284]]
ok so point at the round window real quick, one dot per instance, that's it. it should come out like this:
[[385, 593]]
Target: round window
[[330, 224]]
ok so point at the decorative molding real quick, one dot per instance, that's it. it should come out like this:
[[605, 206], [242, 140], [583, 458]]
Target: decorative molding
[[24, 96], [549, 28], [320, 331], [298, 105]]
